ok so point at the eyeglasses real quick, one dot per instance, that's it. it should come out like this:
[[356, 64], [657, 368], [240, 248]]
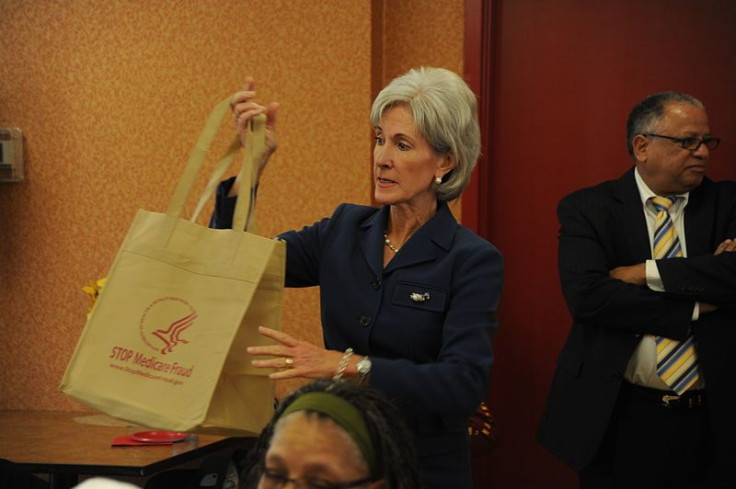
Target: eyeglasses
[[691, 144], [273, 479]]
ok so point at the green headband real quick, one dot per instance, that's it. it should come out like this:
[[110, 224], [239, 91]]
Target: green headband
[[344, 414]]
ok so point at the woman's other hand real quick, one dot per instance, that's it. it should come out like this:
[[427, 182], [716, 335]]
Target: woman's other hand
[[295, 358], [244, 108]]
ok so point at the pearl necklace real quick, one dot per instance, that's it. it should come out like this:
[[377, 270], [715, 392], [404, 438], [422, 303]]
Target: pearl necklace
[[388, 243]]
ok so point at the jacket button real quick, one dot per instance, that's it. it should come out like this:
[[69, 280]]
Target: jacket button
[[376, 283], [365, 321]]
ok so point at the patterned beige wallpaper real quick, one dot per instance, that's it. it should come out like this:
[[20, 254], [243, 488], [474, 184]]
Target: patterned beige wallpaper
[[422, 33], [111, 96]]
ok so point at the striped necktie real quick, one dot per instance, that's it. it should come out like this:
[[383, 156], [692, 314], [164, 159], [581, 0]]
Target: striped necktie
[[677, 361]]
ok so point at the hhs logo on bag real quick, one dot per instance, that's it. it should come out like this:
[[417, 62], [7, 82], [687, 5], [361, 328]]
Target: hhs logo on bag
[[164, 322]]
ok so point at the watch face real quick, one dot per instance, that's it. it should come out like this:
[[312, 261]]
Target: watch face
[[363, 366]]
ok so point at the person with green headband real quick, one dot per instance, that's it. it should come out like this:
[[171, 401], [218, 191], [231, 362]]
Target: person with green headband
[[333, 435]]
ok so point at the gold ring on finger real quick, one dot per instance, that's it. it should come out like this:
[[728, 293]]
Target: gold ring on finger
[[288, 362]]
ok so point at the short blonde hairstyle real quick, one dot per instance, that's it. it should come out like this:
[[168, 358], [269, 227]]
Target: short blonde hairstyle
[[445, 114]]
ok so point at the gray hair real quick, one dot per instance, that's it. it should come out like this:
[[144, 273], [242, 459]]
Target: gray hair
[[445, 114], [646, 115]]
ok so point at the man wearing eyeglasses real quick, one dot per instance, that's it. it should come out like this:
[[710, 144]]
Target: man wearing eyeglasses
[[644, 395]]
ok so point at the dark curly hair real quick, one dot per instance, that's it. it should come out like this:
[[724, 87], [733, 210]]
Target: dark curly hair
[[396, 457]]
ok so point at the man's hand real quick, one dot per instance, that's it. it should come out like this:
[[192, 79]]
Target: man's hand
[[728, 246], [634, 274]]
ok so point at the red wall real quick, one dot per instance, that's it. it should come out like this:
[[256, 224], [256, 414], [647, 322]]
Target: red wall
[[565, 74]]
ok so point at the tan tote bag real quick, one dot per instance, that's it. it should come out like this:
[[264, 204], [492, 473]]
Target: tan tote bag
[[165, 345]]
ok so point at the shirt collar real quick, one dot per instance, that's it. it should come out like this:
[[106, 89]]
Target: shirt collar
[[645, 193]]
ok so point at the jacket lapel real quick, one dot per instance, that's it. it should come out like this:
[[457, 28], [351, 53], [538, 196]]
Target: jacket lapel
[[422, 245], [371, 241], [631, 221], [699, 220]]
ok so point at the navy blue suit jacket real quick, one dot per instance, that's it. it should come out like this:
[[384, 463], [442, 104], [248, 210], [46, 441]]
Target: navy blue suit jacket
[[604, 227], [432, 357]]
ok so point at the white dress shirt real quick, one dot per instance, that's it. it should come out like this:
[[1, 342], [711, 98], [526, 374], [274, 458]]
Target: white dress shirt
[[642, 367]]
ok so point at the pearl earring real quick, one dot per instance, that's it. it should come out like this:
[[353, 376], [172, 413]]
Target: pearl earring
[[438, 180]]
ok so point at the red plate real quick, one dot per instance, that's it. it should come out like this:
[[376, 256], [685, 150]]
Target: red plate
[[159, 436]]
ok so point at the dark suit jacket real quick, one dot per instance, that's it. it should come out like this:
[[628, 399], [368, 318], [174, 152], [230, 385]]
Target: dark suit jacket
[[604, 227], [433, 357]]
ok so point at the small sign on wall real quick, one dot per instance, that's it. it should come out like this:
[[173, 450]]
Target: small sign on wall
[[11, 154]]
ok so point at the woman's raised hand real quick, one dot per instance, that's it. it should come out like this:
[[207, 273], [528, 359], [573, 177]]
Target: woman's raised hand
[[244, 108], [294, 358]]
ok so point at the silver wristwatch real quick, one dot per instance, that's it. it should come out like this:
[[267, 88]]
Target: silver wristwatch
[[364, 368]]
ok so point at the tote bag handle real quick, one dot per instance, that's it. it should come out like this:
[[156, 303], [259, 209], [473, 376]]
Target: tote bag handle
[[253, 152]]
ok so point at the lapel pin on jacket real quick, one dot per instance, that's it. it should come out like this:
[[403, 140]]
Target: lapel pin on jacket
[[417, 297]]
